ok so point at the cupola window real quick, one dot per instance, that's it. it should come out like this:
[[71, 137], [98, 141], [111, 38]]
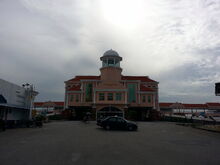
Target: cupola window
[[111, 58], [111, 62]]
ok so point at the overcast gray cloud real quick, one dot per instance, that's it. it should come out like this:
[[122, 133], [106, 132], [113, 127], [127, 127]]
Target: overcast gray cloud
[[47, 42]]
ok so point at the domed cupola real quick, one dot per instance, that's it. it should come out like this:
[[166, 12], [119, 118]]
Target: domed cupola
[[111, 58], [111, 53]]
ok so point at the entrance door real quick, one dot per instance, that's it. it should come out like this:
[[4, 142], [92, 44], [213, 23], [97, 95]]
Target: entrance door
[[109, 111]]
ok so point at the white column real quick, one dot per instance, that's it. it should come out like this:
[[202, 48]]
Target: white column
[[67, 100], [82, 92], [154, 99], [94, 97], [126, 97], [139, 95]]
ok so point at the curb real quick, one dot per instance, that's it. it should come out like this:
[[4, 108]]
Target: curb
[[210, 130]]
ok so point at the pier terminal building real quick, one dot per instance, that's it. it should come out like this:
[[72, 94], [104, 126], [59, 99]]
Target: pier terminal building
[[112, 93]]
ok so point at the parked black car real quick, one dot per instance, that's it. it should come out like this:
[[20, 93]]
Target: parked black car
[[114, 122]]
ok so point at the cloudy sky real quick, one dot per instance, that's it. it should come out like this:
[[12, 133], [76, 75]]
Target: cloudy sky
[[176, 42]]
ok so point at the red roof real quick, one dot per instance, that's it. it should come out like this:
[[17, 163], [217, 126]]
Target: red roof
[[192, 105], [60, 103], [75, 88], [195, 105], [40, 104], [213, 104], [141, 78], [143, 88], [78, 78], [165, 104]]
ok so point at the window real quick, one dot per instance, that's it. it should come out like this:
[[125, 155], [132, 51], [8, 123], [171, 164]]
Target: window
[[131, 93], [104, 63], [57, 108], [88, 92], [117, 63], [149, 99], [118, 97], [144, 99], [71, 98], [111, 61], [120, 120], [110, 96], [113, 119], [77, 98], [101, 96]]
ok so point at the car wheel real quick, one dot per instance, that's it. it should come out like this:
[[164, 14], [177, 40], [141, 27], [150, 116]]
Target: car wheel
[[130, 128], [107, 127]]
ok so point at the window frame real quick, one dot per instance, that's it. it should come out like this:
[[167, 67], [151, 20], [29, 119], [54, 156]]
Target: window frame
[[149, 99], [101, 96], [118, 96], [111, 61], [144, 99], [71, 98], [108, 96], [77, 98]]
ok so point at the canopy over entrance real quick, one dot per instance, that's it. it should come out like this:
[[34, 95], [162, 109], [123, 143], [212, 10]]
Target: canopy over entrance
[[109, 111]]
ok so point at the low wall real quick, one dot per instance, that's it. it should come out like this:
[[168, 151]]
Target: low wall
[[183, 119]]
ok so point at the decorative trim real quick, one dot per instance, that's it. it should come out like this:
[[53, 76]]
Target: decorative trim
[[146, 92], [88, 80], [110, 90], [74, 92], [138, 81]]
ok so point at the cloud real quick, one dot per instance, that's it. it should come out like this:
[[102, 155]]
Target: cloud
[[175, 42]]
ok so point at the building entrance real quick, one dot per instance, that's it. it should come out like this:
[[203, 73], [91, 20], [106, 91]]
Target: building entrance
[[109, 111]]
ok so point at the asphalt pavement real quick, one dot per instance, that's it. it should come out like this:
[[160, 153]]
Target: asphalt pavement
[[77, 143]]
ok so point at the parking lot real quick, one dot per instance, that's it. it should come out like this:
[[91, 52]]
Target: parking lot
[[74, 142]]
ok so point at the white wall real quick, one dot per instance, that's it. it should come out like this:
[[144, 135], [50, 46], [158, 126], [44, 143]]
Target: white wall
[[19, 99], [18, 114], [14, 94]]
